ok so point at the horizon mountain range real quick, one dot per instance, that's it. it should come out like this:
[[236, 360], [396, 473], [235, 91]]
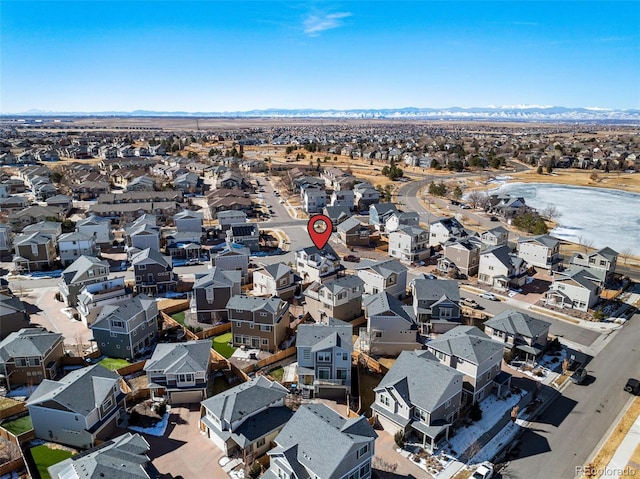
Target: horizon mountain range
[[514, 112]]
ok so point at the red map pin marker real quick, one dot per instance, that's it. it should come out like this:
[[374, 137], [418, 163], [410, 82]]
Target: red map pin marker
[[319, 228]]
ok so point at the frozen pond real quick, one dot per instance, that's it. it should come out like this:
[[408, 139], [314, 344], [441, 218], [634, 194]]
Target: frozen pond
[[604, 216]]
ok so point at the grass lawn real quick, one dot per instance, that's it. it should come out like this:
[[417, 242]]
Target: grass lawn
[[277, 374], [114, 363], [44, 457], [18, 426], [179, 317], [221, 345]]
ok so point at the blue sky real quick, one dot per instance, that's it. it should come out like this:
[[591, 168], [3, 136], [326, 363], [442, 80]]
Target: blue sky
[[237, 56]]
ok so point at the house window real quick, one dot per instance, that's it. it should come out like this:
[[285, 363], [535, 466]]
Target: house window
[[341, 374], [323, 373], [384, 400], [265, 328], [107, 404], [237, 339], [260, 442], [364, 471], [21, 362], [345, 356], [238, 324], [142, 267], [323, 357], [34, 362], [363, 450], [265, 342], [446, 312], [186, 378], [117, 324]]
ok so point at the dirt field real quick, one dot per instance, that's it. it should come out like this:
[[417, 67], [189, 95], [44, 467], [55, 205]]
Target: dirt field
[[620, 181]]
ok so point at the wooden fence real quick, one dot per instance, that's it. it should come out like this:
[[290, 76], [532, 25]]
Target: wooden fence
[[17, 439], [132, 368], [9, 467], [274, 358], [13, 410], [361, 358], [215, 331], [173, 323], [139, 395], [176, 307]]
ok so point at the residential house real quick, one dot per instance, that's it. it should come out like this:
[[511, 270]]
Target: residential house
[[575, 288], [339, 298], [190, 221], [128, 329], [33, 214], [324, 359], [409, 244], [247, 235], [274, 280], [258, 323], [540, 251], [399, 219], [235, 258], [78, 410], [419, 396], [140, 183], [342, 198], [13, 204], [180, 372], [313, 264], [6, 239], [318, 442], [601, 263], [470, 351], [506, 206], [33, 252], [436, 304], [365, 195], [353, 233], [211, 293], [379, 213], [497, 236], [76, 244], [228, 218], [384, 276], [84, 271], [153, 273], [89, 190], [52, 229], [520, 333], [391, 326], [64, 202], [123, 456], [337, 179], [245, 419], [229, 180], [93, 297], [501, 269], [13, 315], [442, 230], [463, 253], [313, 200], [143, 233], [98, 227], [30, 355], [337, 214], [188, 183]]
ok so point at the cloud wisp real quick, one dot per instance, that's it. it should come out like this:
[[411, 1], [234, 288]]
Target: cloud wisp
[[315, 24]]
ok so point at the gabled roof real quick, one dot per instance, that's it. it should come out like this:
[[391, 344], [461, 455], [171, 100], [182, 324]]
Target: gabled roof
[[123, 311], [338, 332], [80, 266], [497, 231], [31, 239], [276, 271], [385, 268], [349, 224], [383, 208], [505, 256], [435, 289], [583, 276], [80, 391], [545, 240], [319, 439], [170, 358], [251, 303], [344, 282], [28, 342], [607, 253], [517, 323], [468, 343], [147, 256], [74, 236], [217, 277], [421, 380], [188, 214], [244, 400], [10, 304], [382, 303], [119, 458], [93, 221]]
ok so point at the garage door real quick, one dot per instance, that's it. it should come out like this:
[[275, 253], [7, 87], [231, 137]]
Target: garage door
[[388, 425], [186, 397]]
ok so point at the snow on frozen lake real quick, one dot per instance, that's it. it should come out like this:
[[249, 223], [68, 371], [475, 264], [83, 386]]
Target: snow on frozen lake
[[604, 216]]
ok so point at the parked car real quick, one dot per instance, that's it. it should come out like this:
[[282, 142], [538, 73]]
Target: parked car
[[489, 296], [351, 258], [466, 207], [494, 218], [470, 303], [193, 261], [484, 471], [632, 386], [579, 375]]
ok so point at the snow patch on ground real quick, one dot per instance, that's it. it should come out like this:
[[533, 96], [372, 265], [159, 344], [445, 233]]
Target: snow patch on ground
[[157, 430], [237, 474]]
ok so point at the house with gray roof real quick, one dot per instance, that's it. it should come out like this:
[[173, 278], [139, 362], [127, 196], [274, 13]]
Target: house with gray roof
[[409, 244], [379, 213], [123, 457], [179, 372], [400, 219], [463, 254], [501, 269], [419, 395], [576, 288], [389, 276], [365, 195], [82, 272], [153, 272], [13, 315], [246, 419], [313, 264], [477, 356], [324, 359], [436, 304], [128, 329], [339, 298], [601, 264], [190, 221], [391, 326], [541, 251], [81, 408], [93, 297], [495, 236], [275, 280], [337, 214], [98, 227], [446, 228], [319, 443], [52, 229], [34, 252], [233, 258], [6, 239], [75, 244], [520, 333], [30, 355], [258, 323], [354, 233], [211, 293]]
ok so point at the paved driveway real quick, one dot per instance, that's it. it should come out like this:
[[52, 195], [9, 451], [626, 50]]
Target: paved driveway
[[183, 450], [386, 450]]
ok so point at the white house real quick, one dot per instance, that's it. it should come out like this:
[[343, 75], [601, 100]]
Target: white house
[[540, 251], [74, 245], [409, 244], [501, 269], [575, 288], [391, 326], [386, 276], [228, 218], [98, 227], [313, 200], [313, 264]]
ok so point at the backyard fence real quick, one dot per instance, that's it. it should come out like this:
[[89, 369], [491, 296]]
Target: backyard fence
[[174, 306], [274, 358], [131, 368], [17, 439], [13, 410], [173, 323], [9, 467], [215, 331], [361, 358]]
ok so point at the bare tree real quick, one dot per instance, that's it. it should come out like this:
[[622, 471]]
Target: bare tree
[[551, 213], [477, 199], [586, 243], [626, 254]]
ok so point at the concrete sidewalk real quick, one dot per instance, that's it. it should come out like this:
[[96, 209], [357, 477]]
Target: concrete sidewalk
[[626, 449]]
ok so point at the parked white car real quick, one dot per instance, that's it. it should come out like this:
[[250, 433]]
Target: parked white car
[[489, 296], [484, 471]]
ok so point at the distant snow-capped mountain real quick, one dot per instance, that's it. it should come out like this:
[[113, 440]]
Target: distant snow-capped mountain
[[510, 112]]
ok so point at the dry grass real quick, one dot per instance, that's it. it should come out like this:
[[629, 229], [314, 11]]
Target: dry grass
[[615, 439], [463, 474], [623, 181]]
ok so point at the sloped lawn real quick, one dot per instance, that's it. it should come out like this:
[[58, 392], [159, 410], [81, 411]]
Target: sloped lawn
[[44, 457], [179, 317], [114, 363], [221, 345], [18, 426]]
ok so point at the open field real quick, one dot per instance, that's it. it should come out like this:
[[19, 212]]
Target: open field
[[620, 181]]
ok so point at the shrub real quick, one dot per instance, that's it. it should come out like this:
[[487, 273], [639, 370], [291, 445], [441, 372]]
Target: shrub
[[398, 437], [161, 408], [475, 413], [134, 418], [255, 470]]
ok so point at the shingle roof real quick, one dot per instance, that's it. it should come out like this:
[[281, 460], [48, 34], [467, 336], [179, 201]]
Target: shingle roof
[[150, 254], [515, 322], [80, 266], [217, 277], [278, 270], [383, 302], [468, 343], [10, 304], [28, 342], [123, 311], [546, 240], [343, 282], [192, 356], [309, 335], [434, 289], [250, 303]]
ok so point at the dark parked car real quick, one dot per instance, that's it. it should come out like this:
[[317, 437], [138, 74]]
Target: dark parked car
[[351, 258], [579, 375], [494, 218], [632, 386]]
